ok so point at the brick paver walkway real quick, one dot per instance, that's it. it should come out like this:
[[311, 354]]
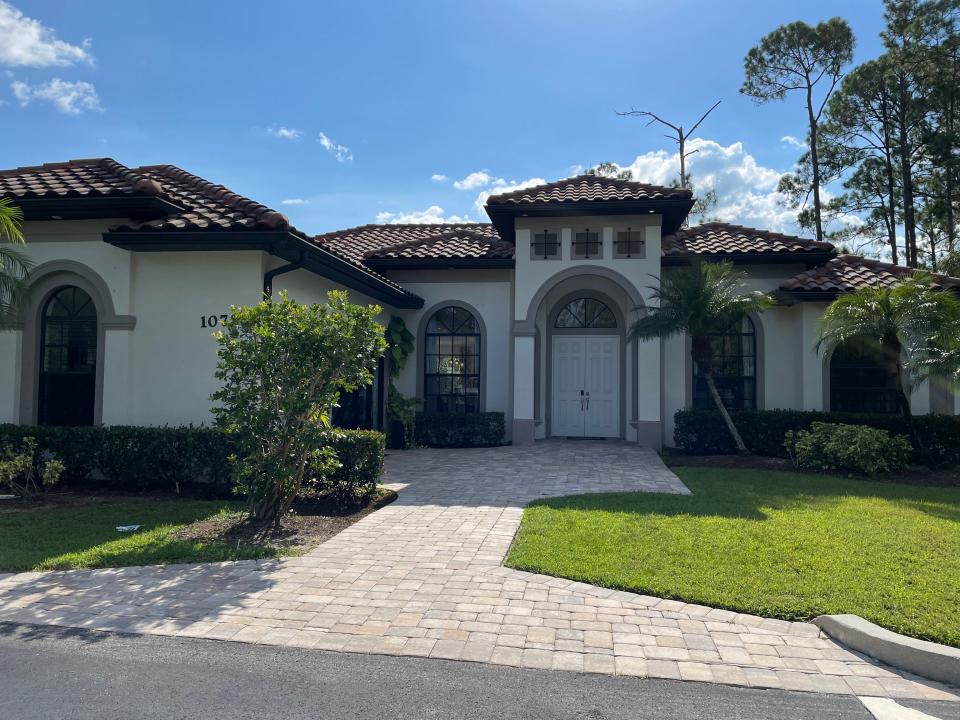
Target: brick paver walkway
[[423, 576]]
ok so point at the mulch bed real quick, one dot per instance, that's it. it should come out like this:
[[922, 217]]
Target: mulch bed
[[309, 523], [915, 475], [60, 499]]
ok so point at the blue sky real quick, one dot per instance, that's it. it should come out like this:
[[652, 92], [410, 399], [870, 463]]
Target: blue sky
[[403, 92]]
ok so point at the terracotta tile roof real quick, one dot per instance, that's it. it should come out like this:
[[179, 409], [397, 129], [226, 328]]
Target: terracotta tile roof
[[846, 273], [206, 205], [718, 238], [459, 244], [97, 177], [588, 188], [461, 240]]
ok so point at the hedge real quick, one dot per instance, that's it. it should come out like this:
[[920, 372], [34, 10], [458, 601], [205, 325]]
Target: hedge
[[445, 430], [185, 460], [703, 432]]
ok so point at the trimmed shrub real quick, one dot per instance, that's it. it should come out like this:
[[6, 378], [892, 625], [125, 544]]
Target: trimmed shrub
[[849, 449], [360, 453], [186, 460], [447, 430], [702, 432]]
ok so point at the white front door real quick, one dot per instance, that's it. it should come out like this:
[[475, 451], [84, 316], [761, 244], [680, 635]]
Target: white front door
[[586, 386]]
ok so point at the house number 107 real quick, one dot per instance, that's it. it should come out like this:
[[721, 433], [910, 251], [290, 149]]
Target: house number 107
[[211, 321]]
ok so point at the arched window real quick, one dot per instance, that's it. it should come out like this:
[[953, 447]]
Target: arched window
[[451, 362], [859, 380], [735, 369], [585, 313], [68, 359]]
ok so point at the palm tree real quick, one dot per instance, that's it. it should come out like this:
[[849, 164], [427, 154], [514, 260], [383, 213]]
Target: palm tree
[[916, 325], [14, 266], [703, 300]]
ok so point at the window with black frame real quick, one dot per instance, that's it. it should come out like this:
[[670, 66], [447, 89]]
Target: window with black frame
[[451, 379], [68, 359], [735, 369], [546, 246], [587, 244], [859, 379]]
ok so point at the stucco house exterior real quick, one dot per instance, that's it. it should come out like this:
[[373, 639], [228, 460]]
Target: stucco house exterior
[[527, 314]]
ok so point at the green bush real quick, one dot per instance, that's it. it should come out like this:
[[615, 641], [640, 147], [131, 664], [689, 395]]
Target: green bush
[[26, 469], [702, 432], [848, 449], [444, 430], [188, 460], [360, 454]]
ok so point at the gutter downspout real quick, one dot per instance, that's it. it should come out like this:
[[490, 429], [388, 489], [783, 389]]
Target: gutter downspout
[[271, 274]]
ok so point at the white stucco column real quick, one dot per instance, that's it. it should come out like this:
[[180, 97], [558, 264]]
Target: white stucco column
[[10, 375], [812, 361], [524, 414], [117, 366]]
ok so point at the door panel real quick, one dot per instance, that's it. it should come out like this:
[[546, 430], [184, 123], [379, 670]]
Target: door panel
[[582, 365], [568, 369], [603, 385]]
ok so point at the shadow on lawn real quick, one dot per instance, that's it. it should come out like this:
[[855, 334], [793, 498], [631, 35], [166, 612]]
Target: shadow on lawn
[[751, 495]]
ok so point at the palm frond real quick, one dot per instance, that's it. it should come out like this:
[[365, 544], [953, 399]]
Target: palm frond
[[14, 271], [11, 220]]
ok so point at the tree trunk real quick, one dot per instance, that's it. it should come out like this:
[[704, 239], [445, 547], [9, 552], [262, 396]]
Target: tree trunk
[[904, 401], [814, 162], [738, 441], [891, 209], [683, 159], [906, 171]]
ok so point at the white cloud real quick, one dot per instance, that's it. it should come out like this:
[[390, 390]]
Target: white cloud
[[68, 97], [502, 186], [793, 141], [432, 215], [285, 133], [474, 180], [437, 177], [746, 190], [340, 152], [25, 41], [294, 201]]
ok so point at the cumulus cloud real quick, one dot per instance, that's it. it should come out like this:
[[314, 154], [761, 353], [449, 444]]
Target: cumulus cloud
[[432, 215], [437, 177], [285, 133], [294, 201], [478, 179], [71, 98], [340, 152], [499, 185], [794, 142], [25, 41]]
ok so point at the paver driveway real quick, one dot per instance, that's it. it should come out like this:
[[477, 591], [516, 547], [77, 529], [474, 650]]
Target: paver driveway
[[423, 576]]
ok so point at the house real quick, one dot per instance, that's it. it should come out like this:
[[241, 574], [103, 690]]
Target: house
[[527, 314]]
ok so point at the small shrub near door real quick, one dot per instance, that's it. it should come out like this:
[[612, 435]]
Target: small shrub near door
[[360, 455], [847, 449], [27, 470], [460, 430]]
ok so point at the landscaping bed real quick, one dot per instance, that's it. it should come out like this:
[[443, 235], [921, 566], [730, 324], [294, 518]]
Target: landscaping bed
[[767, 542], [69, 530]]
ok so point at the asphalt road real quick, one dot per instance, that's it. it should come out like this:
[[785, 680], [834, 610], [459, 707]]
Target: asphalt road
[[66, 674]]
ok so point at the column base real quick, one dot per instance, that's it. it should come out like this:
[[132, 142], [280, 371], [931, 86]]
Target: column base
[[524, 431]]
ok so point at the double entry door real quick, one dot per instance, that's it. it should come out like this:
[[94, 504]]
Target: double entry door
[[586, 386]]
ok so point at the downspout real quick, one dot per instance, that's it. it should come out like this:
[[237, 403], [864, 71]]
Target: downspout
[[271, 274]]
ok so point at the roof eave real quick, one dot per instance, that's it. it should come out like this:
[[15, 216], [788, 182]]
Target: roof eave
[[140, 207], [281, 243], [438, 263], [673, 211]]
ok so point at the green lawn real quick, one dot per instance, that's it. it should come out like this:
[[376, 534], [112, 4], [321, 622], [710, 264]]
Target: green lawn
[[86, 536], [777, 544]]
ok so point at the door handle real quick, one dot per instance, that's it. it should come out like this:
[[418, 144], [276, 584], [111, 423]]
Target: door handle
[[588, 401], [581, 401]]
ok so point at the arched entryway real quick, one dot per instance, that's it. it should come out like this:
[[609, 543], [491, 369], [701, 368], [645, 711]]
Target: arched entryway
[[585, 365], [68, 358]]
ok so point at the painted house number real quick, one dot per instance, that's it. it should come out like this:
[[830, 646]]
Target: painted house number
[[211, 321]]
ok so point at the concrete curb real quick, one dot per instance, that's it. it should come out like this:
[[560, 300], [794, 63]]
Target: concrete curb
[[920, 657]]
